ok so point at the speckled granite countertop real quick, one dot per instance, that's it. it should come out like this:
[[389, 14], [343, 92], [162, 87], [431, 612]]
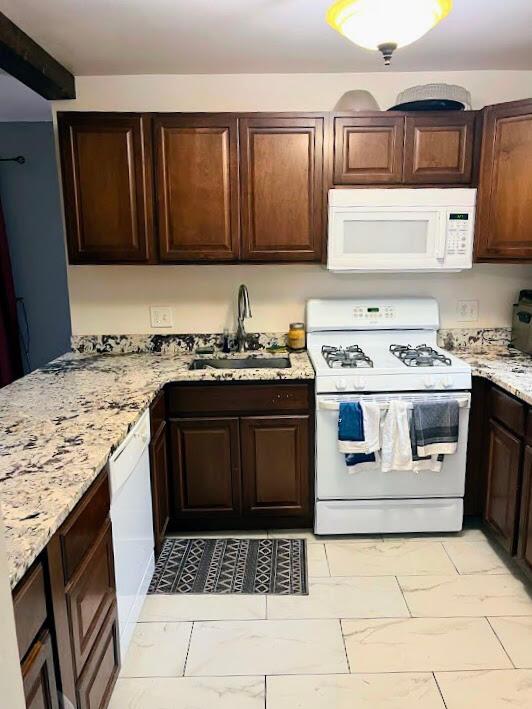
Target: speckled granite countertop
[[59, 425], [504, 366]]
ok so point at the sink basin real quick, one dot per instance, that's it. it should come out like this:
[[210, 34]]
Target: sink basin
[[244, 363]]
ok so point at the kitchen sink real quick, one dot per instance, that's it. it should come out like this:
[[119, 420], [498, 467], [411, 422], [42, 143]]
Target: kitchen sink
[[243, 363]]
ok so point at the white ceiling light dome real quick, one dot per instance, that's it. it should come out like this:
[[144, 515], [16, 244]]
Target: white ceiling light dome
[[386, 25]]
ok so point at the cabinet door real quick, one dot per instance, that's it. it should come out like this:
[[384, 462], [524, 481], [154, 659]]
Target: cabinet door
[[439, 148], [96, 684], [504, 458], [283, 203], [368, 150], [205, 457], [275, 465], [196, 183], [107, 184], [504, 207], [38, 675], [159, 486], [525, 527], [89, 595]]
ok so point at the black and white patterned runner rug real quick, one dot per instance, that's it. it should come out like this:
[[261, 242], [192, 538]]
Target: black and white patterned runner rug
[[276, 566]]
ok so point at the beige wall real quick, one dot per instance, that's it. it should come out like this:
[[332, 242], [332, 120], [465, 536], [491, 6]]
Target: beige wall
[[116, 299]]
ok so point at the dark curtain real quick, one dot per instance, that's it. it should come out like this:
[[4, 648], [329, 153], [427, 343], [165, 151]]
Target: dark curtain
[[10, 361]]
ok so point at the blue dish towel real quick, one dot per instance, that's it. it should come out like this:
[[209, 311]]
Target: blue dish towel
[[351, 428]]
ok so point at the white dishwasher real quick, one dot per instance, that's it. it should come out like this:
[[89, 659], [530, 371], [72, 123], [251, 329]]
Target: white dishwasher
[[131, 515]]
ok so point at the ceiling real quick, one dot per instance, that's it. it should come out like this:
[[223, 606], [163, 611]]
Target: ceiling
[[99, 37]]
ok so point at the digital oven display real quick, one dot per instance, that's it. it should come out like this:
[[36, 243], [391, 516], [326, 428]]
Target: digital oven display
[[373, 310], [462, 216]]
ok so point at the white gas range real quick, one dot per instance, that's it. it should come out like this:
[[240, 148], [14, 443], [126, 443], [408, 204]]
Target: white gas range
[[380, 349]]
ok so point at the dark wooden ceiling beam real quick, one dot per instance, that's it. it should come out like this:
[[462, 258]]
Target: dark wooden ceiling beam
[[28, 62]]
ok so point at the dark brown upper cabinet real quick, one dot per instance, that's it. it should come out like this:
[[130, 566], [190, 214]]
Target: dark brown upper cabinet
[[281, 164], [107, 183], [368, 150], [504, 204], [196, 187], [439, 148], [397, 148]]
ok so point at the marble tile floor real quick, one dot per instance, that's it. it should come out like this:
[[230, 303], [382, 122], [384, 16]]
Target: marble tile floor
[[391, 622]]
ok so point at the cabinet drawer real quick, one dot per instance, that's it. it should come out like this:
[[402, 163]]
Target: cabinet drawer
[[239, 398], [79, 533], [507, 410], [97, 681], [29, 603], [89, 596]]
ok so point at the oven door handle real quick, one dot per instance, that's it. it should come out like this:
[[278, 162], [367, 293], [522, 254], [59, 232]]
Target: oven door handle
[[464, 401]]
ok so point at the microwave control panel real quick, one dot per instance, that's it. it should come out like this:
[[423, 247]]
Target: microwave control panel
[[459, 232]]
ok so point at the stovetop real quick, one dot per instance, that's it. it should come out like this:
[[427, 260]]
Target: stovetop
[[380, 345], [384, 361], [350, 357], [420, 356]]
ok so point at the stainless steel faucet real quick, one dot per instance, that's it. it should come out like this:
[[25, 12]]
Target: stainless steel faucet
[[244, 311]]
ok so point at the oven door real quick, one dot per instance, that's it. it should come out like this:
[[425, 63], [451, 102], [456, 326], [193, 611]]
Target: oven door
[[386, 239], [334, 481]]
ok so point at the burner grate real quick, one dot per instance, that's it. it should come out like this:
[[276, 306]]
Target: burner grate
[[420, 356], [349, 357]]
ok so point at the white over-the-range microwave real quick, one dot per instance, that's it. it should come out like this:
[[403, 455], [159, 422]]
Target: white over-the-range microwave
[[401, 229]]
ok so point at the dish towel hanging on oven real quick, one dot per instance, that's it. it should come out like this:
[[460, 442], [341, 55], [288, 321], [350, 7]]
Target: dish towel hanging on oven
[[436, 427], [419, 463], [351, 434], [396, 451]]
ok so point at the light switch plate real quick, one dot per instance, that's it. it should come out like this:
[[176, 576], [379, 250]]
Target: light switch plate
[[467, 310], [161, 316]]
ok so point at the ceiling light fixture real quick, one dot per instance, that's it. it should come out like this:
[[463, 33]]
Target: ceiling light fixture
[[386, 25]]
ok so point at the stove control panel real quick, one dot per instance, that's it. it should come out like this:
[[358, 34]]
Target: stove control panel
[[374, 313]]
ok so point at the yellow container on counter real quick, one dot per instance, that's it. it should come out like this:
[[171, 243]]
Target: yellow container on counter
[[296, 336]]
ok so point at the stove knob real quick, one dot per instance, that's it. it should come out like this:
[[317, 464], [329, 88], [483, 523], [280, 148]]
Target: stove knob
[[359, 383], [429, 383], [446, 383], [341, 384]]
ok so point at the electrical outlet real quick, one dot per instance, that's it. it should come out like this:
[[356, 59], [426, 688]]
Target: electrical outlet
[[467, 310], [161, 316]]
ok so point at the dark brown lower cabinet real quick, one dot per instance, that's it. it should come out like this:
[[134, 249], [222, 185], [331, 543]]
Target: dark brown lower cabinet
[[503, 473], [159, 486], [206, 464], [83, 598], [38, 675], [275, 465], [99, 675], [89, 595], [241, 454], [524, 550]]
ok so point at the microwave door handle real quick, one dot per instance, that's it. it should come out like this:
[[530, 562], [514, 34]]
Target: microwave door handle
[[441, 240]]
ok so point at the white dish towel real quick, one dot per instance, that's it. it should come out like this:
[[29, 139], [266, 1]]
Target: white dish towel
[[396, 445]]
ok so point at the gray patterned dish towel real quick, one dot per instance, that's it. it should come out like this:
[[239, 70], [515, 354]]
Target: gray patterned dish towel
[[436, 427]]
